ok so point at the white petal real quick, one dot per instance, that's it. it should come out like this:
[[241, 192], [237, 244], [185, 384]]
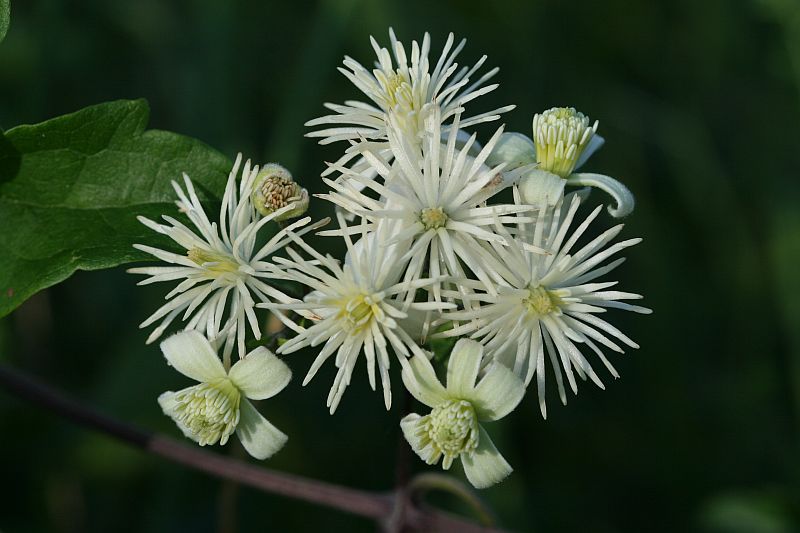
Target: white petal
[[539, 187], [409, 425], [497, 393], [191, 354], [485, 466], [514, 149], [594, 144], [421, 381], [168, 403], [462, 369], [260, 375], [622, 196], [260, 438]]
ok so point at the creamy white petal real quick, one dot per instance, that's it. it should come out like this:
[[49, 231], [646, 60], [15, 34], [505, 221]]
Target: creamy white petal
[[497, 393], [421, 381], [463, 367], [485, 467], [191, 354], [260, 375], [260, 438]]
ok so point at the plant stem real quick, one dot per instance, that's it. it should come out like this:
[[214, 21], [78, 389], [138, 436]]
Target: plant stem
[[430, 481], [396, 521], [377, 506]]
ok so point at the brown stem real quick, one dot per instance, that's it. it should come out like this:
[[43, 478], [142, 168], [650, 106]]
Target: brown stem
[[397, 520], [229, 495], [367, 504]]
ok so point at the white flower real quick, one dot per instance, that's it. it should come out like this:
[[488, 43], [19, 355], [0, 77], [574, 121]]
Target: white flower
[[357, 308], [210, 412], [563, 139], [452, 429], [435, 193], [221, 266], [403, 90], [547, 303]]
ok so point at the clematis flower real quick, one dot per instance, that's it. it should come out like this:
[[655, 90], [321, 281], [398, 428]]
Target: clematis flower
[[222, 272], [436, 195], [404, 89], [452, 430], [549, 304], [357, 308], [563, 139], [210, 412]]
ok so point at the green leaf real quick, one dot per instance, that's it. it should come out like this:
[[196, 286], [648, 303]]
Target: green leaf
[[5, 18], [71, 188]]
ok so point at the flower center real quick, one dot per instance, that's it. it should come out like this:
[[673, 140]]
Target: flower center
[[215, 263], [399, 91], [561, 134], [209, 411], [433, 217], [358, 312], [542, 302], [453, 429]]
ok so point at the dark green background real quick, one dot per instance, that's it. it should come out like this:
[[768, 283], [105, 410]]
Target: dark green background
[[699, 104]]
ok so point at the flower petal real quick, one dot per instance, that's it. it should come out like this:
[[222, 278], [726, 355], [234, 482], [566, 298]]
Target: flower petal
[[421, 381], [260, 375], [191, 354], [485, 466], [168, 404], [514, 149], [260, 438], [594, 144], [621, 194], [410, 424], [497, 393], [540, 187], [463, 367]]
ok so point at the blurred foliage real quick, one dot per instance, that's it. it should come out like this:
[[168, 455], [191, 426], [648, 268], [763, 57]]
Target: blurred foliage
[[700, 105], [5, 18]]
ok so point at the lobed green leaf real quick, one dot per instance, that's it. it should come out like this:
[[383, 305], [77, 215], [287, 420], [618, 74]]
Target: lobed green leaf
[[71, 188]]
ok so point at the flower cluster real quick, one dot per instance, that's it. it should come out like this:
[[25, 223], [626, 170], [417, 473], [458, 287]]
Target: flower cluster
[[445, 236]]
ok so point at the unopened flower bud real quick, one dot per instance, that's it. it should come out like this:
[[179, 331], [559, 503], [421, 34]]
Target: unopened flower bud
[[274, 189]]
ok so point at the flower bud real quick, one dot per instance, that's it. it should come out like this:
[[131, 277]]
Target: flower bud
[[274, 189]]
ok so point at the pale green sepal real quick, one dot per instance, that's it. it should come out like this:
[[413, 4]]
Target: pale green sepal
[[514, 149], [410, 424], [260, 375], [461, 141], [485, 467], [463, 367], [622, 196], [415, 324], [168, 404], [260, 438], [191, 354], [538, 187], [421, 381], [594, 145], [497, 393]]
